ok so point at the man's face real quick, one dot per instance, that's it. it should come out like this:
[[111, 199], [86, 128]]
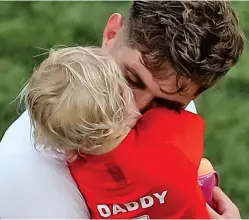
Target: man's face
[[147, 89]]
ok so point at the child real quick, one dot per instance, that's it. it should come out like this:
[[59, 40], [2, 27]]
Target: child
[[81, 105]]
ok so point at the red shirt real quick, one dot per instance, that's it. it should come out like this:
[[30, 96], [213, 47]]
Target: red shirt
[[151, 174]]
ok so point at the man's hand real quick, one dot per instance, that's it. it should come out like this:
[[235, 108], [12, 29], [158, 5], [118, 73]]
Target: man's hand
[[225, 208]]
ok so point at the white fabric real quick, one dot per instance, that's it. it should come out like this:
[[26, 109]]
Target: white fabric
[[191, 107], [36, 184]]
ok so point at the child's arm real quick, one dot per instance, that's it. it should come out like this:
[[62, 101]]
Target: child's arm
[[185, 198], [182, 134], [185, 130], [197, 208]]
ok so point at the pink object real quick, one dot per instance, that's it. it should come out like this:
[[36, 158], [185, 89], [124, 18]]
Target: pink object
[[207, 183]]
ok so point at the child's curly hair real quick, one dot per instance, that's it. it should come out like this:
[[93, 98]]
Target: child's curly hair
[[75, 99]]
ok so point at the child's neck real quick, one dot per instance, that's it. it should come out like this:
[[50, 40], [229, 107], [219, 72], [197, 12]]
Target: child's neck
[[110, 145]]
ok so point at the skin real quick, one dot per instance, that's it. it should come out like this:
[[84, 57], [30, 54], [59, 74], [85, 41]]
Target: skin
[[147, 89], [225, 208]]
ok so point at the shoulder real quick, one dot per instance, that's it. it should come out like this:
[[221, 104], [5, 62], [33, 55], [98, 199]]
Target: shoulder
[[43, 183], [18, 137], [36, 177], [184, 130], [178, 175], [159, 116]]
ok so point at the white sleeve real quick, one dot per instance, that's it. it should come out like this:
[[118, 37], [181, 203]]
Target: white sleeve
[[34, 184], [191, 107]]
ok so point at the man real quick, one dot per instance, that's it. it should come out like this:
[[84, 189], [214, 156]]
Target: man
[[170, 52]]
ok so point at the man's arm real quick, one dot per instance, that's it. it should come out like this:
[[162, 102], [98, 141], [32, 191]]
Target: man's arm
[[225, 208], [35, 184]]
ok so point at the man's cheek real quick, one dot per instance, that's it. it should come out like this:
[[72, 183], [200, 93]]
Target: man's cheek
[[143, 99]]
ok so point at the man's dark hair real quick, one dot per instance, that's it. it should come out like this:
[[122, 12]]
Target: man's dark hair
[[202, 40]]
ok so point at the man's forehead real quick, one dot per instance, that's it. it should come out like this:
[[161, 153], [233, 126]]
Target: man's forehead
[[166, 77], [134, 60], [138, 65]]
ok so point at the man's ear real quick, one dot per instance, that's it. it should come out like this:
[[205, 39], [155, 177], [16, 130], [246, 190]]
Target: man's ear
[[111, 30]]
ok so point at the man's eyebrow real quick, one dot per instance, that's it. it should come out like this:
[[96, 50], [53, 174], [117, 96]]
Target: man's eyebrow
[[133, 71], [163, 102], [166, 92], [169, 93]]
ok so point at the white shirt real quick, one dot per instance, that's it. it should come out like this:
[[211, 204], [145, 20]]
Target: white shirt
[[36, 184]]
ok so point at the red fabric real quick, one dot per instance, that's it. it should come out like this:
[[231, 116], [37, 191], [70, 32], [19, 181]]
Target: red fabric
[[152, 174]]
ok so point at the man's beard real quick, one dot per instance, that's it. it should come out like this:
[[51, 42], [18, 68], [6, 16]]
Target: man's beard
[[169, 104]]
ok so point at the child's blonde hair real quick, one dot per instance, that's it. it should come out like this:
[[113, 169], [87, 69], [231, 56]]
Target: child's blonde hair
[[75, 99]]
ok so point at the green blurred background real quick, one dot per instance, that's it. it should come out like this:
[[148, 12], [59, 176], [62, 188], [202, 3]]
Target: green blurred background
[[26, 27]]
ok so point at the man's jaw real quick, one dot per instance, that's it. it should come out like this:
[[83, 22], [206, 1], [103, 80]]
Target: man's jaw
[[169, 104]]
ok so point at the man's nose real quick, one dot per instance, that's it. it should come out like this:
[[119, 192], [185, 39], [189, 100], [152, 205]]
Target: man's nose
[[143, 99]]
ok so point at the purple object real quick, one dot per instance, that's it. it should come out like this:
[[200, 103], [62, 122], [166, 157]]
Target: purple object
[[207, 183]]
